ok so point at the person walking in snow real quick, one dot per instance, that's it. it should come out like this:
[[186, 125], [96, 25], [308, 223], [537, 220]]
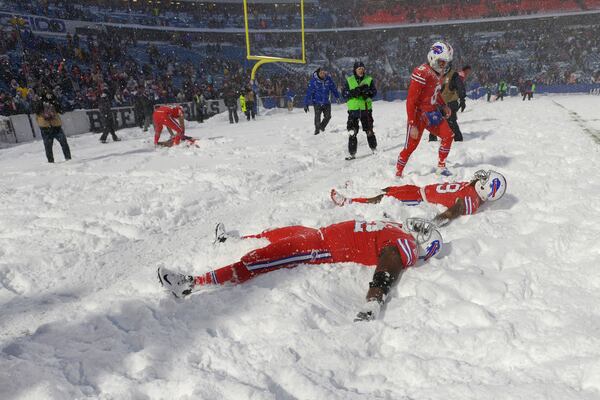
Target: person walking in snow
[[230, 99], [249, 98], [106, 117], [289, 99], [359, 90], [318, 93]]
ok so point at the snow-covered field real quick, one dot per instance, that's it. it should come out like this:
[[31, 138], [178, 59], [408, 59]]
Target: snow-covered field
[[512, 311]]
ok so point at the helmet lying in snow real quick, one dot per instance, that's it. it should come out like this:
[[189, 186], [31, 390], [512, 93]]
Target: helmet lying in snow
[[490, 185], [429, 239]]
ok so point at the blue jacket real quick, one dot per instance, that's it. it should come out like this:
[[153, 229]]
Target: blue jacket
[[289, 95], [318, 90]]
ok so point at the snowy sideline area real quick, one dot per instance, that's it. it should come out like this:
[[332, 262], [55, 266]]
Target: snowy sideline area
[[510, 312]]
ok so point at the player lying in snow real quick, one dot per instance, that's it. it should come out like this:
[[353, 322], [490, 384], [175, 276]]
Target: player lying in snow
[[461, 198], [171, 118], [388, 246]]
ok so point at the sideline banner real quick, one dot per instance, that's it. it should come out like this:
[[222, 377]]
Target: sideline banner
[[35, 23], [479, 92], [125, 116], [22, 128], [25, 127], [7, 133]]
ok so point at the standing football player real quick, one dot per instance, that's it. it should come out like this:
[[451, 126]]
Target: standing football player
[[388, 246], [460, 198], [426, 109]]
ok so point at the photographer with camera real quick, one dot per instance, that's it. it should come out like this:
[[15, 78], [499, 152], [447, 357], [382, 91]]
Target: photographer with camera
[[47, 110]]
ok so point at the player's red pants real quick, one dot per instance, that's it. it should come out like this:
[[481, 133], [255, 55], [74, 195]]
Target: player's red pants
[[409, 194], [160, 121], [442, 131], [289, 247]]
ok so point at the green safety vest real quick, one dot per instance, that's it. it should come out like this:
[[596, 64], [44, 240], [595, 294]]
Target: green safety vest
[[359, 103], [243, 103]]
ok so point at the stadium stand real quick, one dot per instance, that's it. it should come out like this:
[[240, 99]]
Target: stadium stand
[[391, 12], [170, 65], [183, 14]]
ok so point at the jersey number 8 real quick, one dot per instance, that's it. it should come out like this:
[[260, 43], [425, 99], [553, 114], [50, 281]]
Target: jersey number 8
[[447, 188]]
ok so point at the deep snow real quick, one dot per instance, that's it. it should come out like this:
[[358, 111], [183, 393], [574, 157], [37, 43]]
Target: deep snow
[[510, 311]]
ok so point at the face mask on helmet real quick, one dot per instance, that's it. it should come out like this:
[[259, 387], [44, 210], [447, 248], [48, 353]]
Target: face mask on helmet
[[439, 57], [490, 185], [429, 239]]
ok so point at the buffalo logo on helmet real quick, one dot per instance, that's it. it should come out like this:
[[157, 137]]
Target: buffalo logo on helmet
[[491, 185], [437, 49], [432, 249], [495, 186]]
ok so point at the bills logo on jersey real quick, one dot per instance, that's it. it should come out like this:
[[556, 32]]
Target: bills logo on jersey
[[437, 49], [494, 186]]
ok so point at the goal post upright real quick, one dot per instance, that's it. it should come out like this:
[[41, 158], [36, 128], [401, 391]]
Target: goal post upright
[[261, 60]]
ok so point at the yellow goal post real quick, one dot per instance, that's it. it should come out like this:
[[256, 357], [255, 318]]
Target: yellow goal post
[[269, 59]]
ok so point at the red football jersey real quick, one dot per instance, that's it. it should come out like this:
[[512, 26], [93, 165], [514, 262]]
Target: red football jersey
[[447, 194], [173, 112], [362, 242], [424, 92]]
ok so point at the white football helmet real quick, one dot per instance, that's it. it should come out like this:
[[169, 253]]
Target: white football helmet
[[429, 239], [440, 51], [490, 185]]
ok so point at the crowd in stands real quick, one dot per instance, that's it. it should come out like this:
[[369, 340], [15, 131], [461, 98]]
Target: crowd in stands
[[538, 52], [546, 51], [185, 14], [78, 68], [412, 11], [320, 14]]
